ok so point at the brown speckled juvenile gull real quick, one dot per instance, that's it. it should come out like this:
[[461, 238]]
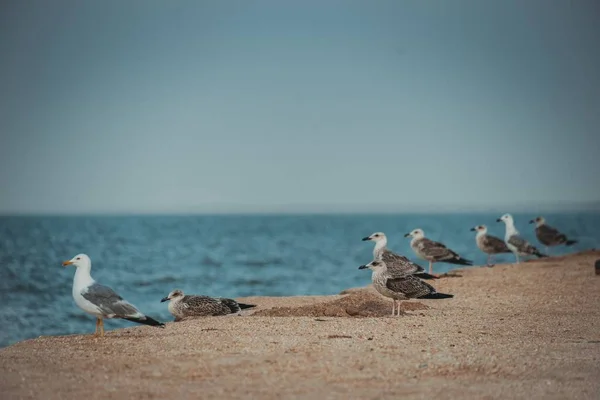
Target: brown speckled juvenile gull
[[182, 306], [400, 286], [549, 236], [433, 251], [489, 244], [395, 262]]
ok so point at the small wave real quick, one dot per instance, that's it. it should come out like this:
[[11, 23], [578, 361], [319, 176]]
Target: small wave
[[153, 281], [261, 263], [248, 282], [210, 261]]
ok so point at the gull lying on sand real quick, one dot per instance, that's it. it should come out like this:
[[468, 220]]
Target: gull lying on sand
[[433, 251], [100, 300], [549, 236], [400, 286], [182, 306], [516, 244], [489, 244], [395, 262]]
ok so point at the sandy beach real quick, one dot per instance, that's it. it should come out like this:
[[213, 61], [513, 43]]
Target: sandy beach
[[512, 331]]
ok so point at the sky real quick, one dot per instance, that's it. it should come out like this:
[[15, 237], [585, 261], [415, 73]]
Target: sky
[[274, 106]]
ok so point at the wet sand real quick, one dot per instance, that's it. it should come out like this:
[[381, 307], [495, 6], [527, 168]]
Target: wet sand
[[513, 331]]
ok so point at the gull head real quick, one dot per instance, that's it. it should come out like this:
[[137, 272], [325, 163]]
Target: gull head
[[375, 265], [538, 221], [417, 234], [80, 260], [479, 228], [174, 295], [506, 218], [375, 237]]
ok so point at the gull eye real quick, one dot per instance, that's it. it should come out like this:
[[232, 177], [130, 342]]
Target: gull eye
[[79, 258]]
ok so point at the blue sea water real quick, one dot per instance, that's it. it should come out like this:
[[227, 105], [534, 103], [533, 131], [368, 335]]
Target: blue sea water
[[145, 257]]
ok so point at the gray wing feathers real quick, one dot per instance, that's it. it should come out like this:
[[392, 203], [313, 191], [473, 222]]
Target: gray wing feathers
[[109, 302], [409, 285], [399, 264], [233, 305], [205, 306], [549, 236], [522, 245], [436, 250], [494, 245], [518, 242]]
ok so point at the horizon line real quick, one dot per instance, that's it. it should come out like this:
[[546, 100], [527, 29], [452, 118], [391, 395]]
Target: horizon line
[[320, 210]]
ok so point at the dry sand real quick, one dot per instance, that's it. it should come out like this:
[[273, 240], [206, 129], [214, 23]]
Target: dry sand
[[512, 331]]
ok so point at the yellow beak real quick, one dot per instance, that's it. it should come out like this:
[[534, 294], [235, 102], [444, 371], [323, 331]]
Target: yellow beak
[[65, 263]]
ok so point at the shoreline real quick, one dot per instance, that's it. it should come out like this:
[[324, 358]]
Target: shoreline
[[512, 331]]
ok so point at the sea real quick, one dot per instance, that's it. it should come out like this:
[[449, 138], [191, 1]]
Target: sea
[[143, 258]]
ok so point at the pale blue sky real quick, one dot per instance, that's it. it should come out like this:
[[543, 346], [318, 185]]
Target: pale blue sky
[[202, 106]]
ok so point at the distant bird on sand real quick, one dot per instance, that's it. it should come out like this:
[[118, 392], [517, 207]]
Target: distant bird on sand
[[433, 251], [549, 236], [489, 244], [395, 262], [400, 286], [182, 306], [100, 300], [516, 244]]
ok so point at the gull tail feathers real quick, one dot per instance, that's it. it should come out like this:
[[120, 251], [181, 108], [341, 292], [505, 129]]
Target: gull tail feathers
[[146, 321], [425, 275], [570, 242], [437, 295], [234, 306], [459, 261], [537, 253]]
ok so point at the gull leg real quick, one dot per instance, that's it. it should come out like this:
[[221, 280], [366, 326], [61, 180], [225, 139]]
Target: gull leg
[[393, 307], [97, 326], [430, 268], [489, 262], [398, 309], [101, 327], [517, 255]]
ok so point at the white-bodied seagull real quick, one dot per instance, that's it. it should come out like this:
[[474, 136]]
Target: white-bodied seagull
[[101, 301], [516, 244]]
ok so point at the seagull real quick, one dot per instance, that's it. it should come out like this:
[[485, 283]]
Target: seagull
[[400, 286], [549, 236], [395, 262], [100, 300], [516, 243], [182, 306], [489, 244], [433, 251]]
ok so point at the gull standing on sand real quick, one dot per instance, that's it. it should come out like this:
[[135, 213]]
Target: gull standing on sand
[[433, 251], [100, 300], [395, 262], [182, 306], [400, 286], [489, 244], [549, 236], [516, 243]]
